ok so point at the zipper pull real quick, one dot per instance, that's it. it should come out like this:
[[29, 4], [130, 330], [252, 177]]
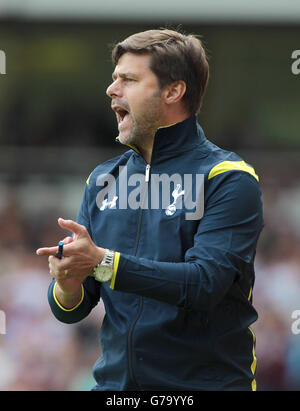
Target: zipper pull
[[147, 174]]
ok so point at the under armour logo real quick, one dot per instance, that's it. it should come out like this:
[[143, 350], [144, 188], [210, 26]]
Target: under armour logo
[[109, 204], [171, 209]]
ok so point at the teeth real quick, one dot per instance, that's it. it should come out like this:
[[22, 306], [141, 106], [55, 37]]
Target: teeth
[[122, 114]]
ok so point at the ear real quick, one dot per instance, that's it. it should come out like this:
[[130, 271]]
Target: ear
[[173, 93]]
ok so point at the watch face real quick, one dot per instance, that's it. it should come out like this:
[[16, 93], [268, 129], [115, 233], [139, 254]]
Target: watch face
[[103, 273]]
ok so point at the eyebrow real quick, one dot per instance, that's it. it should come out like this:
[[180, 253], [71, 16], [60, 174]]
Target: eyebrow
[[124, 75]]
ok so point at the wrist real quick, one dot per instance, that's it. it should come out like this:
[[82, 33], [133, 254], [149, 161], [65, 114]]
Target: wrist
[[99, 254], [67, 293], [68, 299], [69, 287]]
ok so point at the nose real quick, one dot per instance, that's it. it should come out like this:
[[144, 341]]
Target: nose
[[113, 89]]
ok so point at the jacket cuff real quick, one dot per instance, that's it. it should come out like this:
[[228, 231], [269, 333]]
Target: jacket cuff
[[65, 315], [63, 308], [115, 270]]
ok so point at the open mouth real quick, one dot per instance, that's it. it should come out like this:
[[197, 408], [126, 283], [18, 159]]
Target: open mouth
[[122, 114]]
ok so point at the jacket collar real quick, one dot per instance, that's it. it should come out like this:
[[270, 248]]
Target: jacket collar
[[181, 136], [178, 137]]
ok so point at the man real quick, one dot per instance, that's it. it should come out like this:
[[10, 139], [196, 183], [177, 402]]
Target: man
[[176, 279]]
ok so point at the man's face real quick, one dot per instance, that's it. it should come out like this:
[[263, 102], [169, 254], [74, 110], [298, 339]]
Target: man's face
[[136, 100]]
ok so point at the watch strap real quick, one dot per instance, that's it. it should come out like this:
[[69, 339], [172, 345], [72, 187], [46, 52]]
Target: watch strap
[[108, 258]]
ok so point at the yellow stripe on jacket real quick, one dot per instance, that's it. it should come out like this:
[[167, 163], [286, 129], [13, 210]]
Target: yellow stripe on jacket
[[225, 166]]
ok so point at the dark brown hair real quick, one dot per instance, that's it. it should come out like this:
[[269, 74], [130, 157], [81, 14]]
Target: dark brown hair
[[175, 56]]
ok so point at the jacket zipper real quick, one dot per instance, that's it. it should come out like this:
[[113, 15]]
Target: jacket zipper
[[130, 333], [147, 173]]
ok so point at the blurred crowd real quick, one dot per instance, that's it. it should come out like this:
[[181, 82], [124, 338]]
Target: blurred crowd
[[39, 353], [277, 288]]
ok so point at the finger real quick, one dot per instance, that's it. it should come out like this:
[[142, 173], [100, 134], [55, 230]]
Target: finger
[[61, 265], [68, 240], [46, 251], [50, 259], [53, 250], [57, 268], [52, 265], [72, 226], [68, 250]]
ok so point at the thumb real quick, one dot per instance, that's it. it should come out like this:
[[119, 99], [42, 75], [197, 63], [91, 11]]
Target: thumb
[[72, 226]]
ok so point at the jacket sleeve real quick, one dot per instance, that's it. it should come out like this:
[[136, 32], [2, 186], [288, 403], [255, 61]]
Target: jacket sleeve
[[90, 287], [224, 245], [80, 311]]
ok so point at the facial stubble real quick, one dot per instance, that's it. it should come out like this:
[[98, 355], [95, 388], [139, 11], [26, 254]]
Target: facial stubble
[[145, 124]]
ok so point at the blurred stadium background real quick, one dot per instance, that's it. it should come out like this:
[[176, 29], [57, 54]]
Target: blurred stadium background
[[56, 126]]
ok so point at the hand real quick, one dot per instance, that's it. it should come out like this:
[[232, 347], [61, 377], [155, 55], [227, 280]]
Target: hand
[[80, 256]]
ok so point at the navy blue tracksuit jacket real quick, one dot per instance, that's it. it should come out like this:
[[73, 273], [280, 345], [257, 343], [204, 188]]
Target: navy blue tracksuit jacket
[[179, 308]]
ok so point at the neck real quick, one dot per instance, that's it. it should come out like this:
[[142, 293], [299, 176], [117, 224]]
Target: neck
[[146, 154], [146, 151]]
